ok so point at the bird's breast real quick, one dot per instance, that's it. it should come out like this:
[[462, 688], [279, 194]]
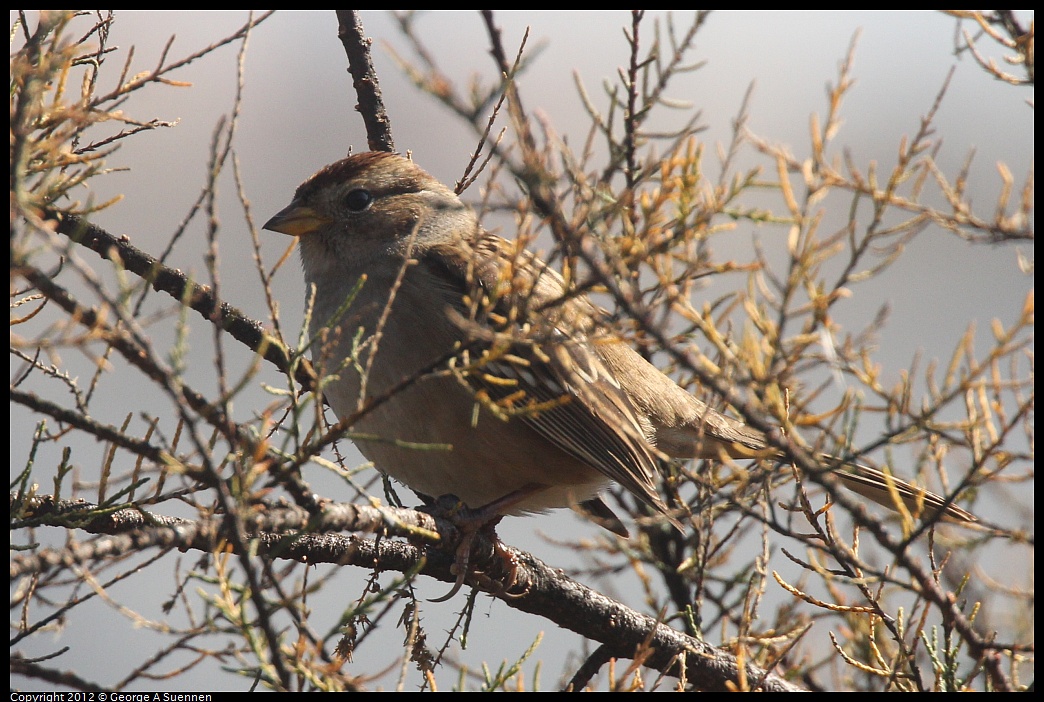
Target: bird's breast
[[421, 423]]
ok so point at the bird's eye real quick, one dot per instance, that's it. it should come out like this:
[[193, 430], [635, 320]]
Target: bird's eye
[[358, 200]]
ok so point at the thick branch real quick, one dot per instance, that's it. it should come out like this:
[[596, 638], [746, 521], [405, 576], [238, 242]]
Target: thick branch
[[542, 590], [364, 79]]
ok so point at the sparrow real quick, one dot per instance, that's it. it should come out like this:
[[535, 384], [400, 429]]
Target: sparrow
[[474, 371]]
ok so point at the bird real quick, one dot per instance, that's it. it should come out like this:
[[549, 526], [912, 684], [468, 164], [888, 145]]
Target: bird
[[471, 369]]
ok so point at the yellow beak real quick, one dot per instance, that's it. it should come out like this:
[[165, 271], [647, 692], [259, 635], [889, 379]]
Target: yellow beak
[[296, 220]]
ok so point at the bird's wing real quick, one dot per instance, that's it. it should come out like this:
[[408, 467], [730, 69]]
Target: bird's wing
[[528, 354]]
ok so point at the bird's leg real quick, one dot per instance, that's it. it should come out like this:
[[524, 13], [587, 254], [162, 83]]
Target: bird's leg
[[471, 522]]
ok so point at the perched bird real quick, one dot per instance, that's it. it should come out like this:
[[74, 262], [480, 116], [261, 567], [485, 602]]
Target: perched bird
[[475, 373]]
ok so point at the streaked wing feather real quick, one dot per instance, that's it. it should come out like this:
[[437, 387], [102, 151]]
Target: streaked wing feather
[[587, 415], [578, 404]]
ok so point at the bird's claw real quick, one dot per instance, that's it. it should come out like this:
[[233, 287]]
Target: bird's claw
[[471, 523]]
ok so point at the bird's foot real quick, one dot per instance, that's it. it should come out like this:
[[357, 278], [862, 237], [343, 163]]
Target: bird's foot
[[471, 523]]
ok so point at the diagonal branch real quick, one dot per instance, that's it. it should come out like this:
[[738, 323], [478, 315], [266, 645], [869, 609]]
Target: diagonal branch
[[548, 592]]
